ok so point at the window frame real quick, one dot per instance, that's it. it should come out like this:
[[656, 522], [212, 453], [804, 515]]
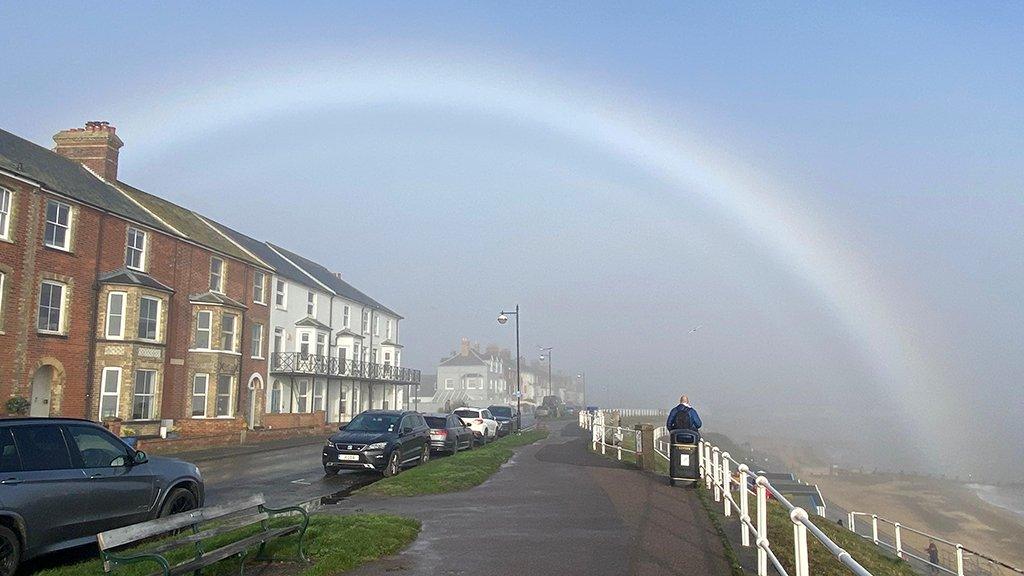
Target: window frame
[[261, 286], [205, 395], [104, 394], [346, 316], [281, 293], [320, 346], [3, 286], [120, 315], [208, 330], [151, 394], [319, 399], [6, 212], [256, 341], [277, 388], [128, 248], [234, 331], [156, 321], [311, 301], [61, 307], [302, 396], [230, 396], [66, 247], [278, 339], [219, 289]]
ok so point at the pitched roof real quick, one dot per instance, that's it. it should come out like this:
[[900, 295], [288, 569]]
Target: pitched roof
[[69, 178], [328, 278], [135, 278], [346, 332], [311, 322], [262, 251], [472, 359], [216, 299], [193, 226]]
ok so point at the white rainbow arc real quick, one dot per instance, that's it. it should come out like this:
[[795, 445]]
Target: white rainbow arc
[[747, 199]]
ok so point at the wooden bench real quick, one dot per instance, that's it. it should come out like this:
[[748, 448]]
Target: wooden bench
[[193, 529]]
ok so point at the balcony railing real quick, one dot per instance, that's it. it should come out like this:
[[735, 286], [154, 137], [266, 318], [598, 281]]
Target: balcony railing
[[317, 365]]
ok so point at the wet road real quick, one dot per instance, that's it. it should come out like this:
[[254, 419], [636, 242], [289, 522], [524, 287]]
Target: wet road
[[286, 473]]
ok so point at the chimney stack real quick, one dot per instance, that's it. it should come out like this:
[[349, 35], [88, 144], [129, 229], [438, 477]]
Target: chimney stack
[[95, 147], [464, 347], [338, 275]]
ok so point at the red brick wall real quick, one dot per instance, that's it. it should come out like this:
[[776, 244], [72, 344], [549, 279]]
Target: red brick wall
[[310, 419]]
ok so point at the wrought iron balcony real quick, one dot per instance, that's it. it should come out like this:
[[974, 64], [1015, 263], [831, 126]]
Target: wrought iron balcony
[[297, 363]]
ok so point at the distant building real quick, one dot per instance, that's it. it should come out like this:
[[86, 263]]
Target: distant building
[[477, 377]]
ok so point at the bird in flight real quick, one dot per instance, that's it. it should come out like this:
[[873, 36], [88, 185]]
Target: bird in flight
[[695, 328]]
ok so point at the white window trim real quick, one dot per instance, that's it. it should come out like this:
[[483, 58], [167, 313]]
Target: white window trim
[[346, 316], [5, 226], [325, 342], [312, 340], [159, 313], [70, 226], [116, 394], [153, 415], [206, 395], [277, 385], [62, 317], [376, 325], [231, 399], [322, 404], [209, 331], [284, 295], [234, 332], [263, 291], [307, 396], [145, 248], [223, 272], [310, 293], [263, 330], [3, 282], [124, 310]]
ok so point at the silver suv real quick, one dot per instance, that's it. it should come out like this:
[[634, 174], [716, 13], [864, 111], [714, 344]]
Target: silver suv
[[62, 481]]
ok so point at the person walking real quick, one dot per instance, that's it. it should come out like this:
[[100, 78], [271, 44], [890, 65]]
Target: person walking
[[933, 557], [683, 416]]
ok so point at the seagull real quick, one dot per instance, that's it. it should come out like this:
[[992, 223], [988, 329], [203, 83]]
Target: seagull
[[695, 328]]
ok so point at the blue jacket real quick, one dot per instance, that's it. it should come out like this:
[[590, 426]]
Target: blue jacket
[[694, 418]]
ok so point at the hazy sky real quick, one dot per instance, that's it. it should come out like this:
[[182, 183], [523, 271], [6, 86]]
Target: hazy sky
[[835, 196]]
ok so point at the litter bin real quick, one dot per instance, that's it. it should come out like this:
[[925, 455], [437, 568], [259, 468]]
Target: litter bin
[[682, 464]]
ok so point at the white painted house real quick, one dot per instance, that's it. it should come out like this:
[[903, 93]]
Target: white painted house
[[332, 347]]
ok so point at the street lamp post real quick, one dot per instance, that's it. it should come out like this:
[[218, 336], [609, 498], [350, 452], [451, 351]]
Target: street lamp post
[[583, 380], [502, 318], [548, 354]]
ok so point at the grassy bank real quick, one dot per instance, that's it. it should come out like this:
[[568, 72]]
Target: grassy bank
[[459, 472], [333, 544]]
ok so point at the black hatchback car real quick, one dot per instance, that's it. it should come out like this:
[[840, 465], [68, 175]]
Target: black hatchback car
[[381, 440], [62, 481], [448, 433], [505, 416]]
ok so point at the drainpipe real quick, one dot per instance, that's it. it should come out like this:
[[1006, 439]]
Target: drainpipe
[[90, 382]]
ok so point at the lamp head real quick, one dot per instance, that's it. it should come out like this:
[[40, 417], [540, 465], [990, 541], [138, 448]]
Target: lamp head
[[502, 319]]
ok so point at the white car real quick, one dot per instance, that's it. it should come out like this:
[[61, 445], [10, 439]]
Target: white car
[[480, 421]]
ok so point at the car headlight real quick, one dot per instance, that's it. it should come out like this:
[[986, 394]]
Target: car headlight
[[328, 442], [377, 446]]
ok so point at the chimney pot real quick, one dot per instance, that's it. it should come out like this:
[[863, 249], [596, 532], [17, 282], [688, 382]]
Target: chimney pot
[[96, 147]]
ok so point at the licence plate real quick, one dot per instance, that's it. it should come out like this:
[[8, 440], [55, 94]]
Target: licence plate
[[436, 437], [348, 457]]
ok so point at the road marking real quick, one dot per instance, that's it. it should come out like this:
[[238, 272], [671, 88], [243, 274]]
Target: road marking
[[302, 481]]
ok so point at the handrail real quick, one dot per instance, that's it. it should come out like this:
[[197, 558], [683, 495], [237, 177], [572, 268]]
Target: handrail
[[961, 555], [599, 434], [320, 365]]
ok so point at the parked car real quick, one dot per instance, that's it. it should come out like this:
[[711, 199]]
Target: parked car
[[448, 433], [506, 418], [542, 412], [384, 441], [484, 426], [62, 481]]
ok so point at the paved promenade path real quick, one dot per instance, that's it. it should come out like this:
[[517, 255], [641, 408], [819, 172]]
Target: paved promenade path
[[555, 508]]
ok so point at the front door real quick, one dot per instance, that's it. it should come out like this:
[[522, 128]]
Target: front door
[[42, 385]]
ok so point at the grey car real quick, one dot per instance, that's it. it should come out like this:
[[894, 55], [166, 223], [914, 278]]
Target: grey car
[[62, 481]]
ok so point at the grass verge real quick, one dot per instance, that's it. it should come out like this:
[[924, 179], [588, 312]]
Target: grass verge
[[334, 544], [735, 566], [459, 472]]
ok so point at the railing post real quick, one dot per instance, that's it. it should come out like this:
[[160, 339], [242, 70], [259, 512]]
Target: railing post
[[874, 528], [959, 560], [715, 473], [744, 506], [726, 483], [899, 541], [700, 456], [707, 465], [799, 516], [851, 522], [762, 527], [645, 448]]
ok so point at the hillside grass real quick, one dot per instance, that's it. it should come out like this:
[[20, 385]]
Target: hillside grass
[[333, 545], [453, 473]]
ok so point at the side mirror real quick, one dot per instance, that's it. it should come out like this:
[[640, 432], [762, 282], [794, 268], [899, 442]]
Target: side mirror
[[342, 427], [140, 458]]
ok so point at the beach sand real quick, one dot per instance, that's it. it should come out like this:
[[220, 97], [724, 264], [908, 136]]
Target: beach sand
[[941, 507]]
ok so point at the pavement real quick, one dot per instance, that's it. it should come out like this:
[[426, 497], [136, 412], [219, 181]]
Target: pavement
[[555, 507]]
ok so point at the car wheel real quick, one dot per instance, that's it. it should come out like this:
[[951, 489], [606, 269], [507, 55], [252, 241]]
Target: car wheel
[[180, 500], [10, 551], [425, 457], [472, 442], [394, 464], [330, 471], [455, 446]]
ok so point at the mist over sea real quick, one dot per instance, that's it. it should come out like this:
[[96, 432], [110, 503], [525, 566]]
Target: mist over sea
[[1006, 497]]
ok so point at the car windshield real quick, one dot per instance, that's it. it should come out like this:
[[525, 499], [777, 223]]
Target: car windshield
[[436, 422], [503, 411], [373, 423], [467, 413]]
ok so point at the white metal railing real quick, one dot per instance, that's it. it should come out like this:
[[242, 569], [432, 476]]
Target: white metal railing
[[952, 557], [607, 436], [631, 412]]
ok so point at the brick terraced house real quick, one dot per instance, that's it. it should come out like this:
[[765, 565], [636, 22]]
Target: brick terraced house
[[118, 305]]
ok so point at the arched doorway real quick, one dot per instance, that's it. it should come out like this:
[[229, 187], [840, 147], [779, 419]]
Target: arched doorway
[[42, 390], [255, 391]]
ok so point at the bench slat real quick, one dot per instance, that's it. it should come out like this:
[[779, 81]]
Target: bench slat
[[128, 534], [230, 550], [227, 526]]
